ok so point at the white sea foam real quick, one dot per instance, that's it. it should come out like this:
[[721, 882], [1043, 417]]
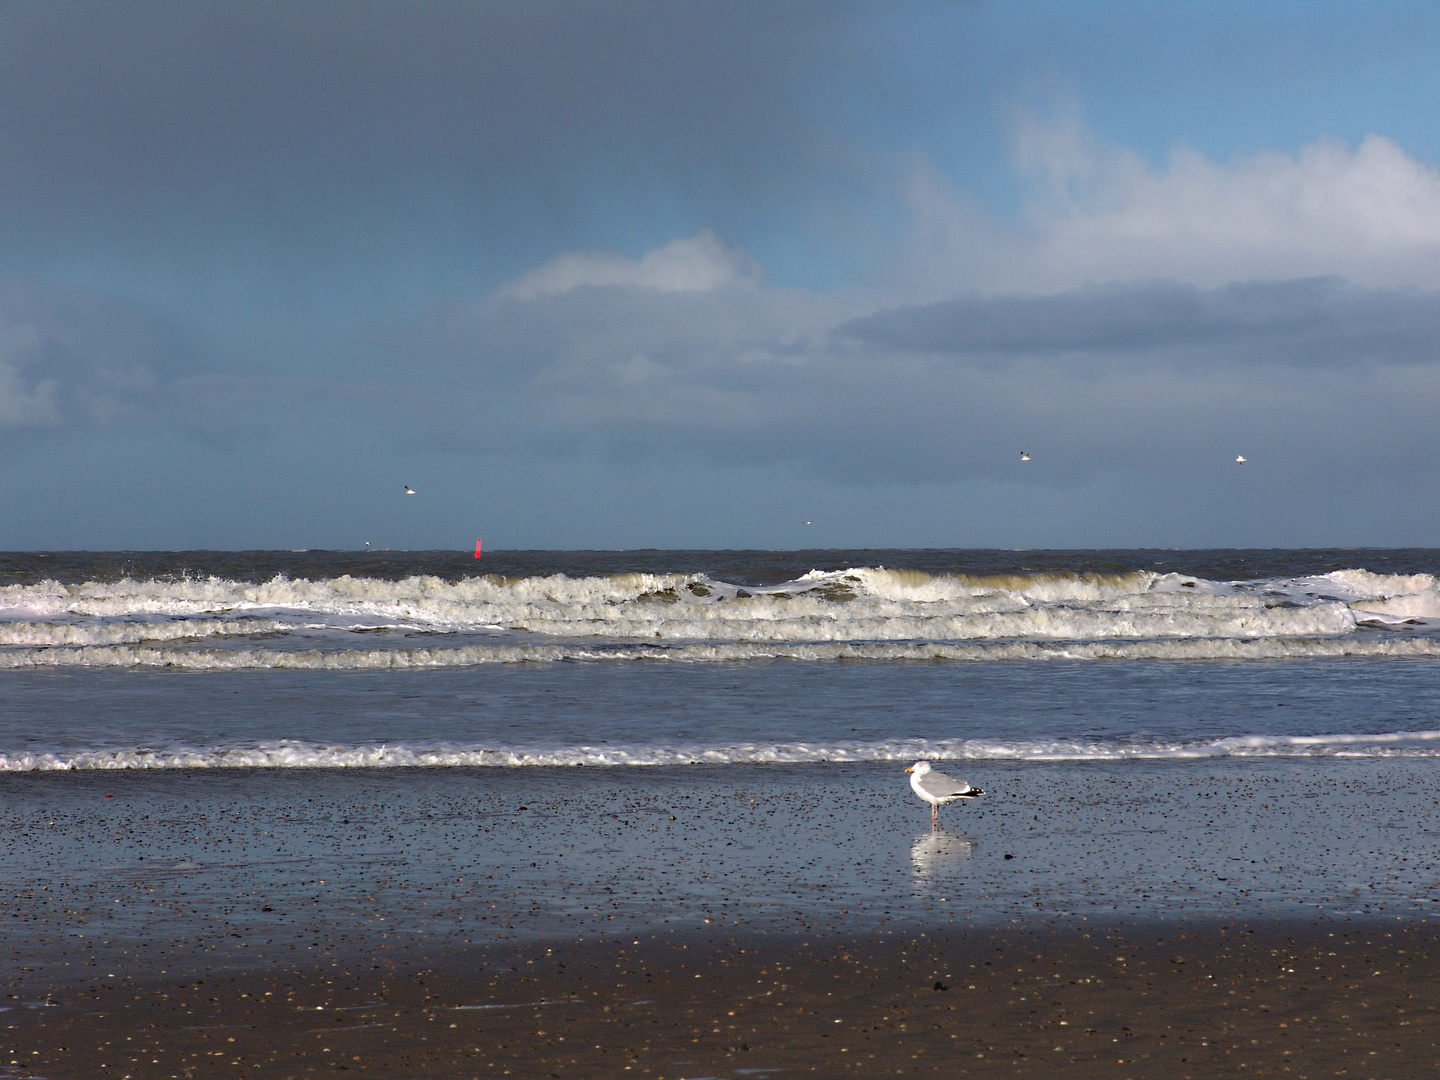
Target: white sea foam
[[40, 634], [476, 655], [860, 608], [307, 755], [1403, 608]]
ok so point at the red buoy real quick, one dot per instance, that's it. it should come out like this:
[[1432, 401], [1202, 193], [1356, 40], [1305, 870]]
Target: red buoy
[[477, 549]]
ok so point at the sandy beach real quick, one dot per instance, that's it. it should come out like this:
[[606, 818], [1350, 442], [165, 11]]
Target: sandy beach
[[1342, 998], [700, 923]]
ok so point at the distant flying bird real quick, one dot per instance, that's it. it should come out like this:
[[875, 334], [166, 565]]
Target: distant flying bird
[[1024, 456], [409, 490], [938, 789], [1239, 459], [804, 523], [367, 543]]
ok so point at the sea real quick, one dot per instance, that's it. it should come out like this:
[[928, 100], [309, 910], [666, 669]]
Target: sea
[[226, 754]]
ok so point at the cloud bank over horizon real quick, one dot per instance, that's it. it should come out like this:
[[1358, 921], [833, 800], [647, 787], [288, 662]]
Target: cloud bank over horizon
[[851, 326]]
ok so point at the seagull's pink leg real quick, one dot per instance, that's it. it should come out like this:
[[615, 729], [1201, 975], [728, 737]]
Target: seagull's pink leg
[[935, 816]]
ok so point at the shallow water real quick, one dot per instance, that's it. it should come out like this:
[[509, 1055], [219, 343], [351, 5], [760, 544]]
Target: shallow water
[[715, 714], [254, 863]]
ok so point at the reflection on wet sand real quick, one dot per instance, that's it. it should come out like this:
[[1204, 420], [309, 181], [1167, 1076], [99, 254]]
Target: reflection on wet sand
[[938, 850]]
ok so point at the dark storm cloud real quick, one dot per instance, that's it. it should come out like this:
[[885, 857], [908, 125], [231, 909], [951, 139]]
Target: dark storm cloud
[[350, 122], [1314, 321]]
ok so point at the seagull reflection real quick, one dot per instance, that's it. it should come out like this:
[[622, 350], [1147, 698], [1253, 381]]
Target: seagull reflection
[[938, 850]]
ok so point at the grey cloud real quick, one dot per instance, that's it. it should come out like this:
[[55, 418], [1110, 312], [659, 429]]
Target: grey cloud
[[74, 358], [1314, 321], [944, 392], [608, 366], [1122, 379]]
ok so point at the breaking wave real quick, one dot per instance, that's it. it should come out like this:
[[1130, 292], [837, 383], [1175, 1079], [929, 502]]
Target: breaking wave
[[476, 655], [865, 612], [308, 755]]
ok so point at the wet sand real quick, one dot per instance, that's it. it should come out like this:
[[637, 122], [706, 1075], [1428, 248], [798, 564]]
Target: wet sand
[[279, 862], [1158, 921], [1202, 999]]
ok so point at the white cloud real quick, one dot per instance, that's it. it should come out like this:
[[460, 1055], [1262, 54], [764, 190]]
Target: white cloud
[[1099, 212], [699, 264]]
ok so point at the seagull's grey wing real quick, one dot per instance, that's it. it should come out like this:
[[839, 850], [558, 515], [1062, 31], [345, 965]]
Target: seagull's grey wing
[[942, 786]]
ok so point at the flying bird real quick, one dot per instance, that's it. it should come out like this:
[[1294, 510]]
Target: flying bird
[[409, 490], [1239, 459], [804, 523], [937, 789], [1024, 456]]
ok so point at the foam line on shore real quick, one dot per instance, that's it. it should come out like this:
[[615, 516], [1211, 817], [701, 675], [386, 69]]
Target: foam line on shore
[[298, 754]]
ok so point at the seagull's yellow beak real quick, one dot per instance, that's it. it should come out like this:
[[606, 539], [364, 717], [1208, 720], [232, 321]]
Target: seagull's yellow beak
[[910, 769]]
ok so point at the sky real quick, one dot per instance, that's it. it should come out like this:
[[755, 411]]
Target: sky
[[690, 275]]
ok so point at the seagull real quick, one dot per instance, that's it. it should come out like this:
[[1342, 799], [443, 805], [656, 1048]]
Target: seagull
[[1024, 456], [804, 523], [409, 490], [1239, 459], [938, 789]]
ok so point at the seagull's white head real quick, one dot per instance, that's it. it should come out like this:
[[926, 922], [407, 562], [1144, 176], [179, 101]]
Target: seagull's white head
[[920, 768]]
